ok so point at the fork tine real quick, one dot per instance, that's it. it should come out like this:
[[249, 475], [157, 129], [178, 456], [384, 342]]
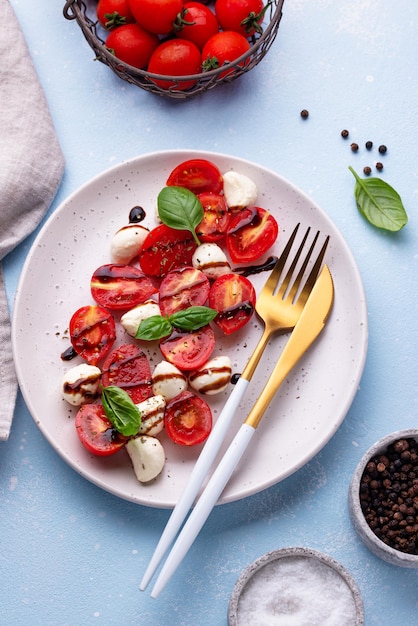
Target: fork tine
[[298, 280], [274, 276], [310, 281], [285, 284]]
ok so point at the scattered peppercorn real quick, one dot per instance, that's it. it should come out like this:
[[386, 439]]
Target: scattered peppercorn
[[382, 149], [344, 133], [354, 147], [367, 170], [389, 495], [304, 113], [369, 145], [379, 166]]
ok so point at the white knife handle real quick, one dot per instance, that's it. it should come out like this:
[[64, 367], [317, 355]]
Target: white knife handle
[[204, 506], [198, 475]]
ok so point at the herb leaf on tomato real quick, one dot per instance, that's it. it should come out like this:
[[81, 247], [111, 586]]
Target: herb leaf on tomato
[[121, 410], [158, 326], [180, 208], [153, 328], [379, 203]]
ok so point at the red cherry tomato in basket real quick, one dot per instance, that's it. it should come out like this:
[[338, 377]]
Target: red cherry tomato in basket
[[197, 175], [224, 48], [213, 227], [187, 419], [92, 333], [196, 23], [96, 432], [166, 249], [118, 287], [132, 44], [156, 16], [175, 57], [128, 367], [188, 350], [251, 232], [113, 13], [233, 296], [182, 288], [242, 16]]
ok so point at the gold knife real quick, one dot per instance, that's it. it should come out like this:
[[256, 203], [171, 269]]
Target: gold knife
[[307, 329]]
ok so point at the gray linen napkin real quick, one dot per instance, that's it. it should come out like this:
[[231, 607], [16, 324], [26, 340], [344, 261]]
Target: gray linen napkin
[[31, 168]]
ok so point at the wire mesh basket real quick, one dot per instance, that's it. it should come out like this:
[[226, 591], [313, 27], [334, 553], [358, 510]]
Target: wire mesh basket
[[84, 12]]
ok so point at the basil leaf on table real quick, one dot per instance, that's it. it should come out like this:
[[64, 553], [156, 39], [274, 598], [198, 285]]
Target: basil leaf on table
[[180, 208], [121, 410], [379, 203], [193, 318], [153, 328]]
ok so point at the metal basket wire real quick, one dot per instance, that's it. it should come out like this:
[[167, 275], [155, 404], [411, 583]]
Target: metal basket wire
[[85, 15]]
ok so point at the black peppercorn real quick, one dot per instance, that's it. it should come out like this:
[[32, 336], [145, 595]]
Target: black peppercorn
[[383, 149], [369, 145], [344, 133], [354, 147], [304, 113], [379, 166], [367, 170]]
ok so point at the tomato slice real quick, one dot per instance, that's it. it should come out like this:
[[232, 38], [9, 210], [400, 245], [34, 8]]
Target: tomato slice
[[92, 333], [182, 288], [96, 432], [187, 419], [165, 249], [234, 297], [188, 350], [197, 175], [118, 287], [128, 367], [251, 232], [215, 222]]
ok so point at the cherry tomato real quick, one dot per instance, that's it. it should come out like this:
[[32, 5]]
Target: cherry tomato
[[128, 367], [188, 350], [175, 57], [197, 175], [182, 288], [213, 227], [156, 16], [242, 16], [224, 48], [251, 233], [132, 44], [166, 249], [113, 13], [92, 333], [96, 432], [196, 23], [117, 286], [187, 419], [234, 297]]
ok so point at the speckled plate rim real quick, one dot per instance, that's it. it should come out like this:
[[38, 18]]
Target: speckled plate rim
[[375, 545], [309, 407], [281, 553]]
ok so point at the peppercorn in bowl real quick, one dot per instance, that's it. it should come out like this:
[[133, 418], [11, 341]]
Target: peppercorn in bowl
[[383, 498]]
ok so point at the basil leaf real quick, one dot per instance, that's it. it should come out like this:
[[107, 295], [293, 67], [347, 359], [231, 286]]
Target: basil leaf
[[121, 410], [193, 318], [154, 327], [379, 203], [180, 208]]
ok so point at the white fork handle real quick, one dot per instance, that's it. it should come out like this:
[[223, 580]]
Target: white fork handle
[[204, 505], [198, 475]]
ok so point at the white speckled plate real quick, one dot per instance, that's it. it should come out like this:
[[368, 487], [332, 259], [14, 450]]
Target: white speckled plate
[[308, 408]]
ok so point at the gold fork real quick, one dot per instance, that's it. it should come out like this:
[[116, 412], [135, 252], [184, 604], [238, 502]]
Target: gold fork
[[279, 305]]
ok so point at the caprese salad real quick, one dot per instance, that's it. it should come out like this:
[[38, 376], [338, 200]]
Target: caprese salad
[[174, 286]]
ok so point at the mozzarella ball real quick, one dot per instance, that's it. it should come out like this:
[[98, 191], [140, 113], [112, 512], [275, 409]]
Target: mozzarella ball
[[127, 242], [213, 377], [80, 385], [167, 380], [152, 415], [132, 318], [147, 456], [240, 191], [210, 259]]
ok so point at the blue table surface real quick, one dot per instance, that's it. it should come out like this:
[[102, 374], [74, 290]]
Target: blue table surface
[[73, 554]]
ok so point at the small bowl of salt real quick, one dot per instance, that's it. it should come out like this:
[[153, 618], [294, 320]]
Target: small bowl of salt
[[295, 586]]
